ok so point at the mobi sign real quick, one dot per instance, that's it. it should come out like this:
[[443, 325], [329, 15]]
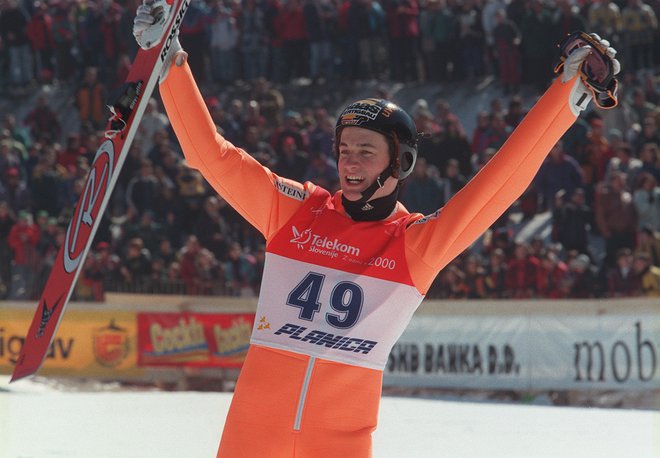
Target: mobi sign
[[621, 360]]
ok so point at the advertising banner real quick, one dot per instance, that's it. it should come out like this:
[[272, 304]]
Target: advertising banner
[[619, 351], [193, 339], [89, 343]]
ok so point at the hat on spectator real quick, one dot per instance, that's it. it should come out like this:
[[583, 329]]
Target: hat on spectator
[[102, 246], [581, 260], [288, 141]]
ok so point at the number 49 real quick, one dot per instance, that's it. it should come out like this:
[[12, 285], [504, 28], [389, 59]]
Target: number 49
[[346, 298]]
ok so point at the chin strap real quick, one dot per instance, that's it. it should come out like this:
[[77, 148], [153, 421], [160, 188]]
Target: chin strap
[[374, 210], [378, 183]]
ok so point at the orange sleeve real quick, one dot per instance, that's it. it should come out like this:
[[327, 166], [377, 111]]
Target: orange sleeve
[[261, 197], [433, 242]]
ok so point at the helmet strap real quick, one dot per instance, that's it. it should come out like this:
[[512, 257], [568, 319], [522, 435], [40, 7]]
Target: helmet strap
[[378, 183], [373, 210]]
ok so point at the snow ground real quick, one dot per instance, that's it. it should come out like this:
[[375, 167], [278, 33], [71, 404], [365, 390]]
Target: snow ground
[[39, 421]]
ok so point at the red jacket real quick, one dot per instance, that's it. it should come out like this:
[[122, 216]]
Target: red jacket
[[294, 24], [40, 32], [23, 241]]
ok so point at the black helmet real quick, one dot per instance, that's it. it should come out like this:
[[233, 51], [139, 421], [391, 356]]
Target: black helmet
[[390, 120]]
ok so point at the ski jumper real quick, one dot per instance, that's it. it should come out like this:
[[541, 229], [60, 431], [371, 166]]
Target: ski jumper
[[336, 293]]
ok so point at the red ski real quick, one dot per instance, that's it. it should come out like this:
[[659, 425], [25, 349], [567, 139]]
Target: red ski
[[126, 112]]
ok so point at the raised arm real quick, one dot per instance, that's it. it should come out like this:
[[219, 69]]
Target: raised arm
[[264, 199], [433, 242]]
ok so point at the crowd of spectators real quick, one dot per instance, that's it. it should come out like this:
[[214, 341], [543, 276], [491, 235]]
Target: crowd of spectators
[[166, 231]]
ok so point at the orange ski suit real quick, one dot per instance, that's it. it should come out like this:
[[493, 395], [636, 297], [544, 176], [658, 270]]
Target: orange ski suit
[[337, 293]]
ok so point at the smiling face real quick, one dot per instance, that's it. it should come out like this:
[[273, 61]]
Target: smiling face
[[363, 155]]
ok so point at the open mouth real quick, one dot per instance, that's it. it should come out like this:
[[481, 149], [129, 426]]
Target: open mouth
[[354, 179]]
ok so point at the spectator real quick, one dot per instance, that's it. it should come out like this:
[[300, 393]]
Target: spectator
[[616, 216], [488, 12], [7, 221], [537, 49], [14, 190], [498, 131], [292, 162], [515, 112], [64, 35], [292, 128], [522, 273], [320, 22], [582, 278], [605, 16], [295, 39], [648, 241], [596, 155], [647, 201], [135, 267], [43, 122], [621, 279], [253, 39], [193, 37], [495, 275], [640, 107], [454, 144], [322, 170], [481, 133], [423, 191], [453, 179], [212, 229], [147, 228], [239, 272], [210, 277], [322, 136], [571, 223], [568, 19], [438, 24], [90, 100], [506, 41], [153, 120], [475, 278], [553, 273], [451, 283], [13, 33], [23, 239], [648, 275], [649, 133], [69, 156], [650, 157], [558, 171], [471, 41], [10, 154], [191, 191], [624, 162], [142, 190], [403, 31], [639, 26], [40, 33], [224, 35], [48, 184]]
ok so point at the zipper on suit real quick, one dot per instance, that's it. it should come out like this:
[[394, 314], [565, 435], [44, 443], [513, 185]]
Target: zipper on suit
[[303, 393]]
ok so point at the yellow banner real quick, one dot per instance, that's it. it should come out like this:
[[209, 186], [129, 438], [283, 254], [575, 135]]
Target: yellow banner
[[87, 343]]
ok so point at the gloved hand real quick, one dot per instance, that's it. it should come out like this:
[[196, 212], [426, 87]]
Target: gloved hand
[[149, 27], [594, 60]]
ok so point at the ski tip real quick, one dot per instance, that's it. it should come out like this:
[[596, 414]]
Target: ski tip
[[21, 372]]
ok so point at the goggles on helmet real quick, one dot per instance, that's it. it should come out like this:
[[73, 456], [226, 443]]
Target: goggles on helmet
[[597, 70]]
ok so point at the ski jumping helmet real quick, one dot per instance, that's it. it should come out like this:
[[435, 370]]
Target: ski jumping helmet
[[390, 120]]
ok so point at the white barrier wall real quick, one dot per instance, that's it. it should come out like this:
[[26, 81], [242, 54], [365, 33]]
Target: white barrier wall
[[541, 345], [517, 345]]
